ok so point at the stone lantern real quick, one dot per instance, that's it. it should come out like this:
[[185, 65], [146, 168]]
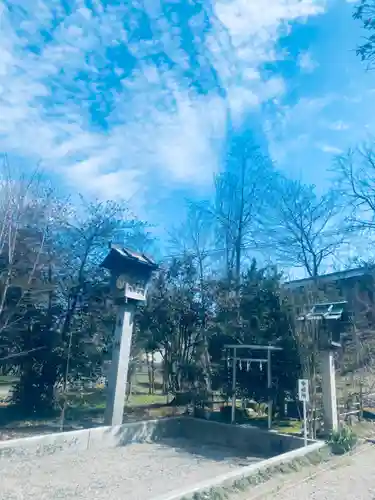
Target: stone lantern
[[130, 276], [330, 320]]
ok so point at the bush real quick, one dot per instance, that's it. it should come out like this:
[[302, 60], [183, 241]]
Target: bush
[[226, 414], [34, 394], [203, 413], [342, 441]]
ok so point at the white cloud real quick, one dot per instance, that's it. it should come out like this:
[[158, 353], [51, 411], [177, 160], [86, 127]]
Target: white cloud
[[293, 128], [330, 149], [296, 117], [338, 126], [157, 128], [307, 63]]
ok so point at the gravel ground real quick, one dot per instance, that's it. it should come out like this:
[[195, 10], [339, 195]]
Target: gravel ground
[[347, 478], [135, 472]]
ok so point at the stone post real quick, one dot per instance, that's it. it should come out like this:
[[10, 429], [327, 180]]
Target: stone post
[[329, 391], [118, 373]]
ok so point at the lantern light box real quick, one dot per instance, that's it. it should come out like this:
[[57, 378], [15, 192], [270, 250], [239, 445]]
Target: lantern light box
[[130, 273]]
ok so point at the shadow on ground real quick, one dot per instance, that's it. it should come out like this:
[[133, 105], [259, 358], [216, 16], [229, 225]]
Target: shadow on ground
[[211, 451], [13, 425]]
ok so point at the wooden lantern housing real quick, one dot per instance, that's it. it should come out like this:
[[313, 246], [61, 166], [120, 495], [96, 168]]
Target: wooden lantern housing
[[130, 273], [332, 319]]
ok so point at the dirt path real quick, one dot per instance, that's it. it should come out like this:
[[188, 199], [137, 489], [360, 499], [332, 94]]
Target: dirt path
[[342, 478], [134, 472]]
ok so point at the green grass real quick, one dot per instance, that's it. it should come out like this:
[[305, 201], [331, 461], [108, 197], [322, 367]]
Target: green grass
[[8, 380], [137, 400], [93, 398], [89, 404], [287, 426], [284, 426], [96, 399]]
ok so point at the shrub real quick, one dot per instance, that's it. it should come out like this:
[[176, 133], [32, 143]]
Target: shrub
[[226, 414], [342, 441]]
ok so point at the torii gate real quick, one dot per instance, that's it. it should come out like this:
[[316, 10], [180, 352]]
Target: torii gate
[[236, 348]]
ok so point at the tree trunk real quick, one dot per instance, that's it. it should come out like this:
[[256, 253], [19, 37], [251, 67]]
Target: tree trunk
[[206, 356], [152, 373], [280, 403], [149, 372], [129, 387], [165, 379]]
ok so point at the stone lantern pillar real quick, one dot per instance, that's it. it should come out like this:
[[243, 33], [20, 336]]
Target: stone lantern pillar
[[331, 319], [130, 276]]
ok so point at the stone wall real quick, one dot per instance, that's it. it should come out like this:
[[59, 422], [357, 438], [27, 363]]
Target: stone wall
[[244, 438], [98, 437]]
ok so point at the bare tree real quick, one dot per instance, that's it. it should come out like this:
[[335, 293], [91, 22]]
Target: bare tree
[[356, 181], [27, 206], [303, 229], [306, 337], [85, 232], [359, 349], [196, 237], [241, 192]]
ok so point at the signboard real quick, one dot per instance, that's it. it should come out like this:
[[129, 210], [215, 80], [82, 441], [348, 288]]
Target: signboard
[[303, 390], [303, 395]]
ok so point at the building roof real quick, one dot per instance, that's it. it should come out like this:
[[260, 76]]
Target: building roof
[[336, 276]]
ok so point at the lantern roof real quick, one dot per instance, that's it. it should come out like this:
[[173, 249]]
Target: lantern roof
[[121, 258], [325, 310]]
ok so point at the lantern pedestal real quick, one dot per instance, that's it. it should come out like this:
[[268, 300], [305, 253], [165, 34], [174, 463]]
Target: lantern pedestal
[[118, 374], [329, 391]]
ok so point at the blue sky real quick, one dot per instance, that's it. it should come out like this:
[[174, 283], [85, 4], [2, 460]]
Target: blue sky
[[123, 101]]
